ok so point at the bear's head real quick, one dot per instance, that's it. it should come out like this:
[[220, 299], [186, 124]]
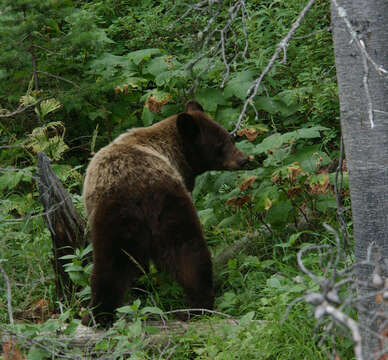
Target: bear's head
[[207, 145]]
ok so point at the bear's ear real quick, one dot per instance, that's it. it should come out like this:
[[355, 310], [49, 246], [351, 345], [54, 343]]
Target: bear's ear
[[187, 126], [193, 106]]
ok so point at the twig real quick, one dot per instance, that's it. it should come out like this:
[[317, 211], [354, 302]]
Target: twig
[[282, 46], [222, 30], [58, 78], [325, 308], [20, 110]]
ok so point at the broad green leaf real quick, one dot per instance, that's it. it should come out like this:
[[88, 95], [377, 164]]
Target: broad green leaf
[[134, 330], [172, 78], [10, 179], [274, 282], [309, 158], [239, 84], [270, 142], [108, 64], [229, 221], [99, 113], [265, 103], [325, 202], [147, 116], [304, 133], [278, 214], [246, 147], [151, 310], [207, 217], [247, 318], [227, 117], [156, 66], [67, 257], [127, 309], [139, 55], [210, 98], [273, 106], [38, 353]]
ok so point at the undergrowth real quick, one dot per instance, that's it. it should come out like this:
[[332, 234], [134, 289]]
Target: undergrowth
[[125, 66]]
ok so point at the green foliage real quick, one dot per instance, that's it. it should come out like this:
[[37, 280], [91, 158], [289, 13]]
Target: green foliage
[[292, 185], [78, 272], [101, 67], [48, 139]]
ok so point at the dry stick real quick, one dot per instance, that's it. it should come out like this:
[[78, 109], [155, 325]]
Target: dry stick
[[219, 49], [326, 308], [58, 78], [9, 294], [20, 110], [197, 6], [282, 46]]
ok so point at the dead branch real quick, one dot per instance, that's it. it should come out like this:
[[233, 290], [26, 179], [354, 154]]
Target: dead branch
[[66, 226], [281, 47], [20, 110], [218, 36], [58, 78]]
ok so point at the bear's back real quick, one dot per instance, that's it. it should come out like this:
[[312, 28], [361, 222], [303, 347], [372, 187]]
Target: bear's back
[[127, 167]]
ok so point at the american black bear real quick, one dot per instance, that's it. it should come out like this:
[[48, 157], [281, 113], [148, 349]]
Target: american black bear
[[137, 197]]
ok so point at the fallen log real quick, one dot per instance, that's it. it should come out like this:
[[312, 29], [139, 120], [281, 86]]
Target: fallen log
[[61, 344], [164, 330]]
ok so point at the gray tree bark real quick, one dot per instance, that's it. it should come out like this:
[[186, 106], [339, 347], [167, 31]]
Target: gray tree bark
[[363, 94]]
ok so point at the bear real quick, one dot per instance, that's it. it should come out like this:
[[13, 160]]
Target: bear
[[137, 195]]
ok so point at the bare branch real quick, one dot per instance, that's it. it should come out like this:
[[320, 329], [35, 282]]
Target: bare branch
[[58, 78], [282, 46], [222, 28], [20, 110]]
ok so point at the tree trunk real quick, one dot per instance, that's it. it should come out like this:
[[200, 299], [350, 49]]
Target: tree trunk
[[363, 94]]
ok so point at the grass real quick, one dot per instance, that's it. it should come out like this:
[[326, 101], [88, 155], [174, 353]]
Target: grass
[[258, 286]]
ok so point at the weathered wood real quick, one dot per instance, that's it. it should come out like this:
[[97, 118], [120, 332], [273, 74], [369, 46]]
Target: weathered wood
[[88, 337], [85, 338], [67, 228]]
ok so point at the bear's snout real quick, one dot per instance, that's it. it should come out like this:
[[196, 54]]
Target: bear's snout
[[236, 164], [243, 161]]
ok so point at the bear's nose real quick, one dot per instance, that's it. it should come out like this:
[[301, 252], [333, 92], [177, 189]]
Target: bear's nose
[[243, 161]]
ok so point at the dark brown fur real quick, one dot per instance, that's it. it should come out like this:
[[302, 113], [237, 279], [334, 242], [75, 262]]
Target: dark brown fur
[[139, 207]]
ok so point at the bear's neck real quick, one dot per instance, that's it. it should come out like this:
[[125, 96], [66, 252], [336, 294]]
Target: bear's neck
[[164, 138]]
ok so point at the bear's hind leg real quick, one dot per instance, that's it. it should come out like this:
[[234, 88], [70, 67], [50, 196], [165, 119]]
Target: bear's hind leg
[[120, 242], [180, 249]]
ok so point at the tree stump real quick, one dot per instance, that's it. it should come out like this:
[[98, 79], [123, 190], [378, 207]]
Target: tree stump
[[67, 227]]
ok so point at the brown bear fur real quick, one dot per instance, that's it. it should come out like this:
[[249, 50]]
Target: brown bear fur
[[137, 197]]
